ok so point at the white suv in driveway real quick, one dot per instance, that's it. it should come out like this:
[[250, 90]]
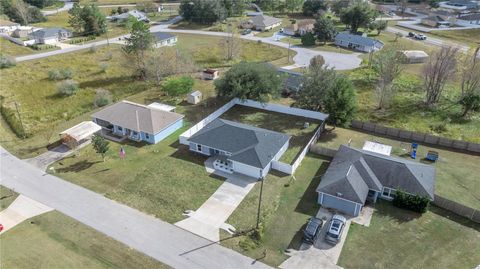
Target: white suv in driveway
[[335, 229]]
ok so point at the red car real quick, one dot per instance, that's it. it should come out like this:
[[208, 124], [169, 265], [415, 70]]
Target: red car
[[1, 227]]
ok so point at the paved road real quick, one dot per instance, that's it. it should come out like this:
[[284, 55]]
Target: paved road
[[160, 240], [340, 61], [68, 5]]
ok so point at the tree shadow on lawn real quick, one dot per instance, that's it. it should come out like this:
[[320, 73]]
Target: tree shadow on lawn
[[308, 202], [77, 167], [387, 209], [103, 82], [184, 154], [454, 217]]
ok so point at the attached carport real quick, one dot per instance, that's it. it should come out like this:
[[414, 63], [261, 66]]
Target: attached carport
[[79, 134], [345, 206]]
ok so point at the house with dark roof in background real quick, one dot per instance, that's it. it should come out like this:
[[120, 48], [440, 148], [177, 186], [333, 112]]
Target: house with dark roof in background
[[356, 176], [164, 39], [358, 42], [261, 23], [239, 148], [137, 122]]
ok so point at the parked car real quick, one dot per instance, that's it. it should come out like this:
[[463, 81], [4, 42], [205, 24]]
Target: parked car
[[313, 227], [420, 37], [246, 31], [335, 230], [411, 34]]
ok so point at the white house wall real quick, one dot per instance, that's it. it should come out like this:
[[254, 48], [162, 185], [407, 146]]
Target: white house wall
[[248, 170]]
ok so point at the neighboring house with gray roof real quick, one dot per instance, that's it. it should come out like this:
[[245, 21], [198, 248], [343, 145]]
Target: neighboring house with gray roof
[[140, 16], [262, 23], [138, 122], [239, 147], [357, 42], [50, 35], [356, 176], [164, 39]]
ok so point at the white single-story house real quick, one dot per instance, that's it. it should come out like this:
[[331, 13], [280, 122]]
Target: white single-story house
[[459, 5], [50, 35], [470, 18], [79, 134], [239, 148], [138, 122], [194, 97], [357, 42], [6, 27], [22, 31], [140, 16], [356, 176], [164, 39], [210, 74], [299, 28], [263, 23], [414, 56]]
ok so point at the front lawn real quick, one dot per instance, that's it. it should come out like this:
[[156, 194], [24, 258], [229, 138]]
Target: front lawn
[[400, 239], [456, 173], [287, 204], [163, 180], [279, 122], [53, 240]]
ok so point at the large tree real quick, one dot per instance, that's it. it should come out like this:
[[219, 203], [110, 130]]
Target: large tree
[[256, 81], [437, 71], [470, 82], [387, 65], [137, 46], [21, 12], [359, 14], [293, 5], [201, 11], [325, 29], [324, 89], [89, 20], [40, 3], [338, 5], [313, 7]]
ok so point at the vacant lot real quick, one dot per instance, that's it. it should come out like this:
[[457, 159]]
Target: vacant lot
[[53, 240], [12, 49], [279, 122], [287, 204], [398, 238], [457, 173], [469, 36]]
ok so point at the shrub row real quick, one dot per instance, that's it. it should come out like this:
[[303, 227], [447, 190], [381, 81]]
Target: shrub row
[[81, 40], [42, 46], [10, 116], [411, 202]]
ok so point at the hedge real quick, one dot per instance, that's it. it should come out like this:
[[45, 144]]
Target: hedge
[[10, 116], [412, 202]]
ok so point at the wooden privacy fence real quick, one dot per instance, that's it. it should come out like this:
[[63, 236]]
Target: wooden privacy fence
[[416, 137], [457, 208]]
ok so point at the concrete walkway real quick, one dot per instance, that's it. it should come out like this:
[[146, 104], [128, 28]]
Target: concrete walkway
[[211, 216], [153, 237], [21, 209]]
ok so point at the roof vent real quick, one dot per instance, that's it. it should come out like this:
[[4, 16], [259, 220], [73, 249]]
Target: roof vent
[[339, 194]]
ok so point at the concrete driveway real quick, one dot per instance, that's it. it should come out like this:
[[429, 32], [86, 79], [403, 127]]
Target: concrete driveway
[[21, 209], [211, 216], [42, 161]]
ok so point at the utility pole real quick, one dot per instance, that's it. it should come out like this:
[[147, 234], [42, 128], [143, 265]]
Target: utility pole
[[288, 51], [260, 202], [20, 119]]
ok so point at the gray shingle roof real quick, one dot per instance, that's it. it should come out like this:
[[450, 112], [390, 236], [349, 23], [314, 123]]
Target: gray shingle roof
[[264, 20], [49, 32], [159, 36], [357, 39], [150, 120], [247, 144], [350, 166]]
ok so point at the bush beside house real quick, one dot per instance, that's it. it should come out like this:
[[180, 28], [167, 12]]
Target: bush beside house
[[412, 202]]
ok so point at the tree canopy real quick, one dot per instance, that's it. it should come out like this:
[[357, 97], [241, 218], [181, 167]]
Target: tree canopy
[[89, 19], [256, 81], [325, 29], [359, 14], [312, 7], [137, 45], [178, 86], [21, 12], [207, 12]]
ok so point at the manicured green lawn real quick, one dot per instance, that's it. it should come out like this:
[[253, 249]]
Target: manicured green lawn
[[287, 204], [400, 239], [53, 240], [163, 180], [279, 122], [456, 173], [7, 196]]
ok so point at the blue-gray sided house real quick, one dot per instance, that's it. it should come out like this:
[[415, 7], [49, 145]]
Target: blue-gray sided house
[[356, 176], [138, 122], [357, 42], [238, 147], [164, 39]]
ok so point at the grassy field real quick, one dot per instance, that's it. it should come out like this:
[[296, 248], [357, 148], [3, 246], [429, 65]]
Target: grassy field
[[456, 173], [111, 2], [400, 239], [12, 49], [43, 110], [469, 36], [53, 240], [279, 122], [287, 204], [7, 196]]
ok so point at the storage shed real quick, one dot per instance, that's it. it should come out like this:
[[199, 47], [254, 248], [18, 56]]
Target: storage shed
[[414, 56], [210, 74], [79, 134], [194, 97]]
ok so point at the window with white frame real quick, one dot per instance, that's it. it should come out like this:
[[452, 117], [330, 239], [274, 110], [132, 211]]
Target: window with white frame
[[388, 193]]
